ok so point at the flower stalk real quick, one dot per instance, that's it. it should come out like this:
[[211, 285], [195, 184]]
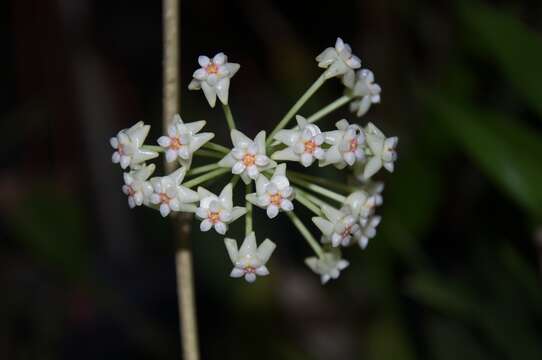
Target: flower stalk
[[319, 190], [229, 116], [205, 177], [248, 215]]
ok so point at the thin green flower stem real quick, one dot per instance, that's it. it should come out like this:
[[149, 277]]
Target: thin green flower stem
[[343, 100], [293, 111], [153, 148], [316, 201], [229, 116], [202, 169], [234, 180], [322, 181], [319, 190], [208, 153], [206, 177], [216, 147], [306, 233], [248, 215], [300, 197]]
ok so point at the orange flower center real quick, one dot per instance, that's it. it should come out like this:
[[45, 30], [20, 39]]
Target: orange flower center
[[310, 146], [249, 159], [164, 198], [175, 143], [212, 68], [276, 199], [214, 217]]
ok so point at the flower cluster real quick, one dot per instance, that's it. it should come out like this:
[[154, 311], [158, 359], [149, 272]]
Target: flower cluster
[[344, 211]]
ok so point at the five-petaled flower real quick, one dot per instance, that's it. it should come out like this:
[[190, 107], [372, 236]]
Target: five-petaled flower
[[368, 230], [250, 259], [347, 145], [214, 78], [183, 139], [127, 145], [275, 194], [365, 92], [338, 227], [329, 266], [303, 144], [248, 157], [339, 61], [217, 211], [382, 151], [170, 195], [136, 186]]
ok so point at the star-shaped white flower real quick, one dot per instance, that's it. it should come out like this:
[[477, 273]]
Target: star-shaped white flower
[[347, 145], [304, 143], [275, 194], [217, 211], [250, 259], [127, 145], [329, 266], [382, 151], [365, 91], [248, 157], [136, 186], [170, 195], [340, 62], [362, 204], [338, 227], [183, 139], [368, 230], [214, 78]]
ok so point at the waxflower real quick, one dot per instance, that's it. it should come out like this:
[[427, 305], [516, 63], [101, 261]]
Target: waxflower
[[136, 186], [347, 145], [339, 61], [382, 149], [170, 195], [217, 211], [368, 230], [248, 157], [214, 78], [127, 145], [303, 144], [250, 259], [183, 139], [361, 204], [365, 91], [329, 266], [275, 194], [338, 227]]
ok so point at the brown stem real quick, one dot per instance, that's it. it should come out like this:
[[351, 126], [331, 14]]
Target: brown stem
[[183, 253]]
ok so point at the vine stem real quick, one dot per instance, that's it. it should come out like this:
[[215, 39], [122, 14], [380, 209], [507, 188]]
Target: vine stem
[[293, 111], [171, 18]]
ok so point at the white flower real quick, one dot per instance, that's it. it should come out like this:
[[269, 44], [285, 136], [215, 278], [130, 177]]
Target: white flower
[[347, 145], [365, 91], [339, 61], [136, 185], [338, 227], [250, 259], [217, 211], [170, 195], [304, 143], [183, 139], [362, 204], [275, 194], [128, 144], [328, 266], [247, 158], [214, 77], [368, 230], [382, 149]]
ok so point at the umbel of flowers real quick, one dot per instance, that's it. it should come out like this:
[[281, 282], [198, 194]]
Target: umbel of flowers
[[343, 212]]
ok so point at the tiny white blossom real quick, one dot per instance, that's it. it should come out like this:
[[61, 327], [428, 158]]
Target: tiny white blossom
[[368, 230], [382, 151], [329, 266], [363, 204], [136, 186], [347, 145], [217, 211], [248, 157], [275, 194], [214, 78], [170, 195], [365, 91], [338, 227], [339, 61], [250, 259], [183, 139], [304, 144], [127, 145]]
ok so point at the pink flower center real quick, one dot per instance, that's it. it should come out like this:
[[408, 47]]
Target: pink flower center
[[176, 143], [212, 68], [250, 270], [347, 232], [276, 199], [164, 198], [214, 217], [249, 160], [353, 145], [310, 146]]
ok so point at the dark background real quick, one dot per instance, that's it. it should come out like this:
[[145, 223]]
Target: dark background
[[454, 272]]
